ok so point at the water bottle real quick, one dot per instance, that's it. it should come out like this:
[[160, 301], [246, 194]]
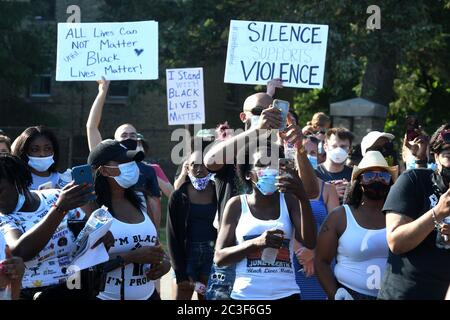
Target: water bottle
[[64, 179], [442, 240], [269, 255], [290, 152], [98, 218]]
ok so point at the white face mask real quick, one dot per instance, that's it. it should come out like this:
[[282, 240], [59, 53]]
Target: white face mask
[[20, 201], [41, 164], [129, 175], [337, 155]]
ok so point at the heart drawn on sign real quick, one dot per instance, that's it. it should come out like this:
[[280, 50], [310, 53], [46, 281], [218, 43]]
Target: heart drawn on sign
[[138, 51]]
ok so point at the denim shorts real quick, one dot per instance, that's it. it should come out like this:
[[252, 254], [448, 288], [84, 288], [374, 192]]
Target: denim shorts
[[199, 259], [220, 283]]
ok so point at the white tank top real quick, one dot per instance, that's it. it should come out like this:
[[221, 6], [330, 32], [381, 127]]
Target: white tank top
[[361, 257], [128, 237], [255, 279]]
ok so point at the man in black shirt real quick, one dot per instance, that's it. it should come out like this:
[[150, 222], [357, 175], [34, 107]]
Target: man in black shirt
[[338, 142], [418, 228]]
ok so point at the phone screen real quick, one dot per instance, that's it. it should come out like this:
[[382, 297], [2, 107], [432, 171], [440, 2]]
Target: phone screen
[[83, 174]]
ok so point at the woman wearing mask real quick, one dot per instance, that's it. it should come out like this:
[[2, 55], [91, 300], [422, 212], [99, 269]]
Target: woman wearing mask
[[310, 288], [262, 224], [39, 148], [137, 256], [35, 227], [190, 231], [355, 234]]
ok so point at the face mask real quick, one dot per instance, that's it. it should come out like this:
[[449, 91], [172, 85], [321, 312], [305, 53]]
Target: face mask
[[130, 144], [20, 201], [376, 190], [40, 164], [445, 174], [254, 120], [337, 155], [129, 175], [411, 164], [313, 161], [200, 183], [266, 181]]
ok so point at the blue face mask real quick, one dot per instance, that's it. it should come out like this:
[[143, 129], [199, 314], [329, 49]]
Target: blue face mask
[[266, 181], [20, 201], [313, 161], [129, 175]]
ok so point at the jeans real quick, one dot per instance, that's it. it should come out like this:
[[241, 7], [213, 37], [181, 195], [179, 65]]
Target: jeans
[[220, 283], [199, 260]]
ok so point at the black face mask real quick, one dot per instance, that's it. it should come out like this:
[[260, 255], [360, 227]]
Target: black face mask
[[445, 174], [130, 144], [375, 190]]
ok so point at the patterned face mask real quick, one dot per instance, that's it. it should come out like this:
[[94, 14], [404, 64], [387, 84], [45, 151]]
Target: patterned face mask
[[200, 183]]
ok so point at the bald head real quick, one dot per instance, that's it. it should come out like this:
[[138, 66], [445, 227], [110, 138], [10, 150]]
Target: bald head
[[124, 132], [259, 99]]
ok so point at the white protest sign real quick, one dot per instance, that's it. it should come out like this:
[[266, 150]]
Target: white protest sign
[[261, 51], [116, 51], [185, 98]]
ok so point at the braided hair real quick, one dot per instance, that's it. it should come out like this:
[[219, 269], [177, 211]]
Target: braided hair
[[16, 172]]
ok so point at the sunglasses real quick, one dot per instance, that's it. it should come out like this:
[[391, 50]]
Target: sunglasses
[[256, 111], [370, 176]]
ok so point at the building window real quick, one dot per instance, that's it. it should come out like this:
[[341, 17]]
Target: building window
[[41, 86], [118, 89]]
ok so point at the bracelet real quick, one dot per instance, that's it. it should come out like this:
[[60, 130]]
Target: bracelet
[[58, 208], [437, 225]]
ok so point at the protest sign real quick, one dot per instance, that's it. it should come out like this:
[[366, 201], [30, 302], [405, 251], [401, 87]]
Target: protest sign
[[185, 98], [116, 51], [261, 51]]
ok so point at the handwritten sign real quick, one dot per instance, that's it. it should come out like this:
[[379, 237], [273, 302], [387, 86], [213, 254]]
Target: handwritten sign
[[261, 51], [116, 51], [185, 98]]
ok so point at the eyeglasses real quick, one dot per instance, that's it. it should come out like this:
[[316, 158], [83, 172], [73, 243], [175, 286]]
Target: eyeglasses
[[370, 176]]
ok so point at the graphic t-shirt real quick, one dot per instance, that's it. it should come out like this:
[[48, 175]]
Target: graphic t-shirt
[[130, 237], [38, 181], [49, 266], [424, 272]]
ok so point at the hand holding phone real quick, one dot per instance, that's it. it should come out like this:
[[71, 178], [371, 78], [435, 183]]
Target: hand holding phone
[[83, 174], [283, 106]]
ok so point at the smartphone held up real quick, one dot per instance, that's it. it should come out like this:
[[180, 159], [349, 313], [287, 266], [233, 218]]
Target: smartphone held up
[[283, 106]]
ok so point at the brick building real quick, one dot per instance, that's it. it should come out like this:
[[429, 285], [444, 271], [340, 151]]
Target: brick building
[[64, 106]]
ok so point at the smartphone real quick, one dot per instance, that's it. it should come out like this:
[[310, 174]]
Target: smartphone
[[83, 174], [283, 106], [412, 128]]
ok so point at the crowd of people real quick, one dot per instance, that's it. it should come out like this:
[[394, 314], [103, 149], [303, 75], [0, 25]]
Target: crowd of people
[[264, 214]]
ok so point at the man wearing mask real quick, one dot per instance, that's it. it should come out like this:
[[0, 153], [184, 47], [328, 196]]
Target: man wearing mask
[[417, 213], [337, 145], [382, 142], [127, 135]]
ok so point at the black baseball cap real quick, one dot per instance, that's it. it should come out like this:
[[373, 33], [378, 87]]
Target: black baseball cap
[[112, 150]]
